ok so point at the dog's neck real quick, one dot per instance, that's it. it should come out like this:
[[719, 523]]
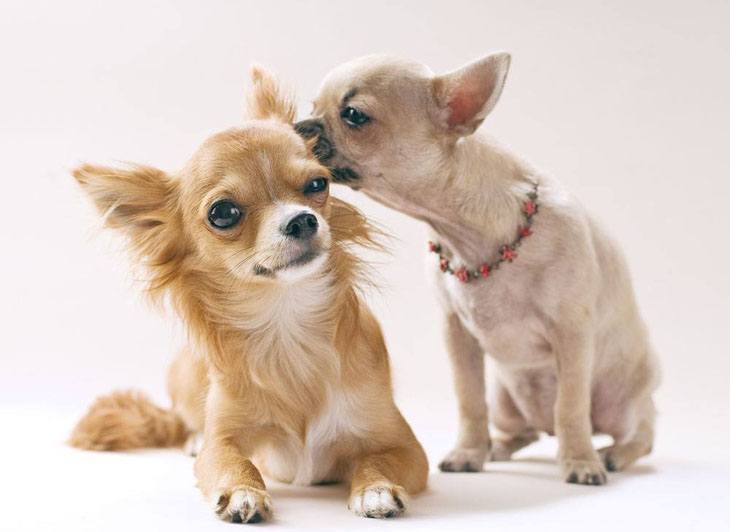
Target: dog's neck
[[472, 202], [275, 336]]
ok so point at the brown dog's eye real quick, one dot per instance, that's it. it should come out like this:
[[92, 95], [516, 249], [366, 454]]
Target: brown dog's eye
[[318, 184], [224, 214], [354, 117]]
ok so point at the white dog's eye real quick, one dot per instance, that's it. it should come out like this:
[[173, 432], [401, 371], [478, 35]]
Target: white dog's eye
[[318, 184], [354, 117], [224, 214]]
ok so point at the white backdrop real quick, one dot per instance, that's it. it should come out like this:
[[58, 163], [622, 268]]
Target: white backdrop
[[625, 102]]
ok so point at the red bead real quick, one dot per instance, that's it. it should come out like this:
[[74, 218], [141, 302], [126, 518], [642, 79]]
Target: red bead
[[432, 247], [462, 274], [484, 270], [444, 265], [508, 254], [530, 208], [525, 231]]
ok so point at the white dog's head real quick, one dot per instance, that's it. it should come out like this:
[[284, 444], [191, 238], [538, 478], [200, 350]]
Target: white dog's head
[[384, 124]]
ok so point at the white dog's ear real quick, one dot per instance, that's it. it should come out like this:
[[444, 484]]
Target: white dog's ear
[[466, 96]]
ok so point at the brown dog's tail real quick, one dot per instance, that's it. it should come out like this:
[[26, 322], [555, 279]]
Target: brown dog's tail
[[127, 420]]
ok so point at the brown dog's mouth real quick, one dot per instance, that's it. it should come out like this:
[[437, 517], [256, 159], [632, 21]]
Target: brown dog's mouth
[[305, 258]]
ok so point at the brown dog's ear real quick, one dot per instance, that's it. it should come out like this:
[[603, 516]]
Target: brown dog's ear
[[466, 96], [142, 202], [267, 100]]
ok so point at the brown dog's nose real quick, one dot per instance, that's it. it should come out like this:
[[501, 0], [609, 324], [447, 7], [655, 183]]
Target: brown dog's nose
[[302, 226], [314, 128]]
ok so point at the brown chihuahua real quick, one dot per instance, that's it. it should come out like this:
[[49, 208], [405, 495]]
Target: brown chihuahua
[[287, 372]]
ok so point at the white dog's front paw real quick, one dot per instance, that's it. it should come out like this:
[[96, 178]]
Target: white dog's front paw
[[590, 472], [379, 501], [464, 460], [243, 505]]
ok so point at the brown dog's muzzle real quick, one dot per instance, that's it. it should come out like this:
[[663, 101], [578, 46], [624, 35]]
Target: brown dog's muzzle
[[323, 149]]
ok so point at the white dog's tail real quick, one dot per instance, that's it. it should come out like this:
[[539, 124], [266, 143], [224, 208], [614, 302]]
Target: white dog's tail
[[127, 420]]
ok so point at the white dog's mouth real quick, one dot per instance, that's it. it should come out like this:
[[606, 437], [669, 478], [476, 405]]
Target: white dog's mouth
[[324, 150], [344, 175]]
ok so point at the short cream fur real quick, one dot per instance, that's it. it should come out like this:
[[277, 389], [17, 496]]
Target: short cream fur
[[570, 349]]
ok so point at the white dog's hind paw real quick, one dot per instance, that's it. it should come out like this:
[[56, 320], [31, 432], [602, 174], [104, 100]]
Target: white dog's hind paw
[[501, 452], [379, 501], [464, 460], [243, 505]]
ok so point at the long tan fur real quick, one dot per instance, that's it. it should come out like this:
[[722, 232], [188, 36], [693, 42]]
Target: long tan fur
[[287, 372], [127, 420]]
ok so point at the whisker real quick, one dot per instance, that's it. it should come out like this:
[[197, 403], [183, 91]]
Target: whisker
[[260, 255]]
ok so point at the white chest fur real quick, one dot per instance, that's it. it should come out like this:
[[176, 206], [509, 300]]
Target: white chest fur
[[313, 460], [287, 338]]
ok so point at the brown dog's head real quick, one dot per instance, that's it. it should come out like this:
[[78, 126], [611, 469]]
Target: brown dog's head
[[384, 124], [251, 204]]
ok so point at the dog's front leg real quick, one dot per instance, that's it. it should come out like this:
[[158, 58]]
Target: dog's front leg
[[467, 362], [381, 481], [579, 460], [226, 476]]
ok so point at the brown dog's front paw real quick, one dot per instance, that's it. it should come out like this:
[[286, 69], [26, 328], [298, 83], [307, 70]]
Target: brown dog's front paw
[[378, 501], [243, 505], [464, 460], [589, 472]]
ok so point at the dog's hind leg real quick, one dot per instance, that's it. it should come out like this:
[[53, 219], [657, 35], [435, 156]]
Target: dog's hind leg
[[187, 383], [193, 444], [513, 432], [628, 448], [503, 447]]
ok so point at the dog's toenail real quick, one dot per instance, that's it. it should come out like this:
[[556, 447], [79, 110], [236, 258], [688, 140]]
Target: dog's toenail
[[222, 502]]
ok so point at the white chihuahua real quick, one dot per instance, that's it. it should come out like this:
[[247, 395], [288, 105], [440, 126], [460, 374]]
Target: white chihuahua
[[523, 272]]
